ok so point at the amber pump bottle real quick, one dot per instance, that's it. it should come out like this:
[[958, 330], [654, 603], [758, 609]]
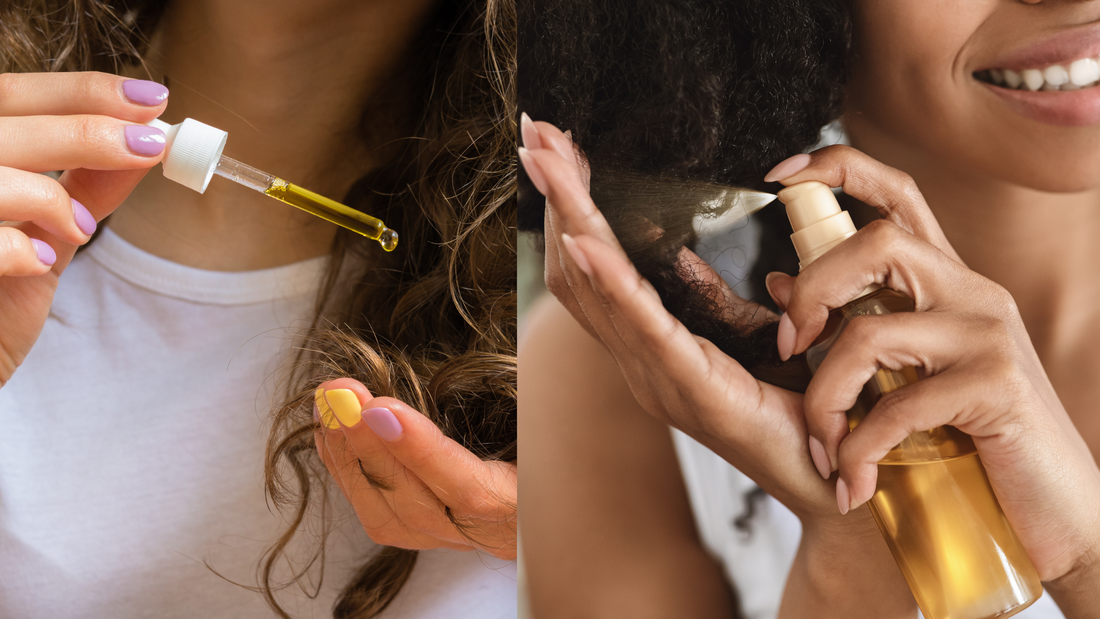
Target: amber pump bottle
[[933, 504]]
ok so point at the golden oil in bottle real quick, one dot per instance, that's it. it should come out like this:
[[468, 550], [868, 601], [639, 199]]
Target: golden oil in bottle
[[933, 502], [961, 557]]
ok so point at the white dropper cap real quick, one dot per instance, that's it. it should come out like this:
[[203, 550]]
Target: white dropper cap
[[192, 152]]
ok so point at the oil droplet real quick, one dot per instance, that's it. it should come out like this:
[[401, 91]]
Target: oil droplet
[[388, 239]]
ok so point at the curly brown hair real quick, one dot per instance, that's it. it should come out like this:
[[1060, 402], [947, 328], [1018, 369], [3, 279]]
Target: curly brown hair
[[433, 323]]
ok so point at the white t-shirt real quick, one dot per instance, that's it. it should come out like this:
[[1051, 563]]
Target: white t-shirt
[[131, 453], [756, 563]]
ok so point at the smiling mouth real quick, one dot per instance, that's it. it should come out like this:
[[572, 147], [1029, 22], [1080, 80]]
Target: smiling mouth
[[1079, 74]]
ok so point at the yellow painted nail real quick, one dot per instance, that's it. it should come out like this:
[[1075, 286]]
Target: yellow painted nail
[[345, 404], [327, 418]]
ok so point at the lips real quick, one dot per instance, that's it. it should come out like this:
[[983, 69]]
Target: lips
[[1053, 81], [1079, 108], [1061, 49]]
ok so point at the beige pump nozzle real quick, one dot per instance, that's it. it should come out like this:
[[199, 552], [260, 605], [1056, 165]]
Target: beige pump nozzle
[[816, 218]]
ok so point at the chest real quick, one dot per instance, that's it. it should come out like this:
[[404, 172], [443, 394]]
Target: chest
[[1076, 381]]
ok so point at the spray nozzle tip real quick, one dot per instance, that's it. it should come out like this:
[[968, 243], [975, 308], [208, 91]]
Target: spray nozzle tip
[[756, 200]]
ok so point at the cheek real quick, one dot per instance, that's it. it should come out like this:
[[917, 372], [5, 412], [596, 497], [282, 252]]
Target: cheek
[[910, 84], [965, 128]]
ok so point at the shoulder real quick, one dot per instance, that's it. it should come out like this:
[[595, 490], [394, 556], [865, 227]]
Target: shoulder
[[605, 512], [554, 347]]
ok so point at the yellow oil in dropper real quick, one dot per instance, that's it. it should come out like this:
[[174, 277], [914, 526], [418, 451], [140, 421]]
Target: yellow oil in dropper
[[310, 202]]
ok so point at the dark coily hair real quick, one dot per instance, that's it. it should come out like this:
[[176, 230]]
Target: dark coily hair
[[433, 323], [708, 90]]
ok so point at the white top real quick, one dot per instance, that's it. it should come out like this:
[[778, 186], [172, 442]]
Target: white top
[[757, 563], [131, 452]]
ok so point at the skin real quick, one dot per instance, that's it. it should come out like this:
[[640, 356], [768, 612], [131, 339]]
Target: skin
[[683, 381], [987, 159], [220, 57], [232, 65], [1007, 291], [577, 478], [417, 475]]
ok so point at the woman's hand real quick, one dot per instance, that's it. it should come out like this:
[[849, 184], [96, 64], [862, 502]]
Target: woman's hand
[[687, 382], [983, 374], [992, 383], [681, 379], [411, 486], [89, 124]]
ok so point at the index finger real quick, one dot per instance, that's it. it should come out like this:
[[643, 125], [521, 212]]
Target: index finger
[[564, 188], [893, 193], [461, 480], [64, 94]]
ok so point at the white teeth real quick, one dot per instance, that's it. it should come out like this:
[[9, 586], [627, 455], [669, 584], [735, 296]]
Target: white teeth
[[1056, 75], [1033, 79], [1083, 71]]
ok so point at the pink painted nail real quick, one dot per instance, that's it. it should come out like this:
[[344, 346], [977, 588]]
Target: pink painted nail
[[820, 458], [531, 138], [785, 338], [145, 141], [383, 422], [576, 254], [84, 219], [534, 172], [46, 254], [842, 500], [144, 92], [788, 167]]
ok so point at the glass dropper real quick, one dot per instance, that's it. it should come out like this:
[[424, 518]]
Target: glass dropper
[[308, 201], [193, 155]]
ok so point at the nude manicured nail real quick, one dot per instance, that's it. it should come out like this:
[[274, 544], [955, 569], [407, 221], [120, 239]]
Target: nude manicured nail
[[576, 254], [820, 458], [530, 134], [788, 167], [46, 254], [843, 502], [534, 172], [84, 219], [383, 422], [144, 92], [145, 141], [785, 338], [345, 406]]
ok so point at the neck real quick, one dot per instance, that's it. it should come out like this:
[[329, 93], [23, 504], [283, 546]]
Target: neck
[[1040, 246], [289, 81]]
